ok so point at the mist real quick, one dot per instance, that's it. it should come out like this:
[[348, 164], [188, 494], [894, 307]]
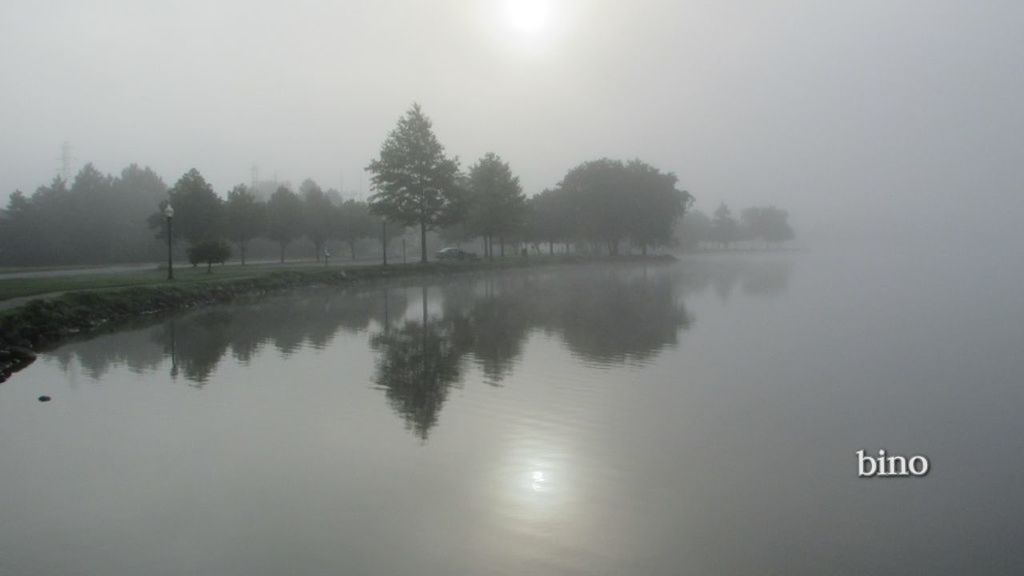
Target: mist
[[522, 287], [872, 123]]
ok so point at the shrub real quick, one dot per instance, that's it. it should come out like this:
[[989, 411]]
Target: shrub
[[210, 252]]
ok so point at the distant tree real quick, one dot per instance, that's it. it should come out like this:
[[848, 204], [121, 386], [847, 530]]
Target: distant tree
[[136, 191], [18, 231], [766, 223], [414, 182], [609, 201], [355, 222], [40, 225], [92, 225], [693, 229], [284, 217], [209, 251], [597, 193], [724, 228], [549, 218], [656, 205], [318, 215], [198, 211], [97, 219], [496, 204], [246, 218]]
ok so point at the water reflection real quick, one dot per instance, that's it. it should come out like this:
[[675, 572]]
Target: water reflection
[[754, 276], [604, 315], [196, 343], [417, 363]]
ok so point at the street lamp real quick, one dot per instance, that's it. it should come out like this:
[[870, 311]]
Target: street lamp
[[169, 214]]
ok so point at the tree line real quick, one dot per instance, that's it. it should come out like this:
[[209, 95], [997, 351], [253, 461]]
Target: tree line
[[766, 226], [208, 223], [102, 219], [600, 206]]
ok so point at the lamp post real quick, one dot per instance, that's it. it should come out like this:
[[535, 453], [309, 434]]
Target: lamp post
[[169, 214], [384, 238]]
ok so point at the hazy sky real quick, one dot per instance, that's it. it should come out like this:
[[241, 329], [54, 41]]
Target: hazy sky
[[840, 111]]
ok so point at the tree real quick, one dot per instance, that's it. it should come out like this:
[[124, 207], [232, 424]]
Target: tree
[[317, 215], [98, 219], [136, 191], [245, 216], [496, 204], [550, 218], [609, 201], [596, 192], [18, 230], [694, 228], [284, 217], [724, 228], [414, 182], [355, 222], [198, 211], [656, 205], [210, 252], [766, 223], [93, 217]]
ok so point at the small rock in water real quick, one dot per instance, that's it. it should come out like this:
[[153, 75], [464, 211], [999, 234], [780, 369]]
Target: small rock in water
[[44, 398]]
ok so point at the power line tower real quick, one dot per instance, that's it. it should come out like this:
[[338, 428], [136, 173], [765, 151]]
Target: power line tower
[[66, 161]]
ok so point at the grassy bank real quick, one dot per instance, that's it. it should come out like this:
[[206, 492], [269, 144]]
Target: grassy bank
[[81, 304], [14, 288]]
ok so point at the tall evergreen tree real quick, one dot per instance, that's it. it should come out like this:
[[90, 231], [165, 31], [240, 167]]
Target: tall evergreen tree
[[497, 206], [198, 211], [413, 180]]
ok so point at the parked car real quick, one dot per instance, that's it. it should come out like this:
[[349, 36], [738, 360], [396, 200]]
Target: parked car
[[455, 254]]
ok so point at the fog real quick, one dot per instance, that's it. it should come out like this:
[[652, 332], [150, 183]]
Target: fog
[[873, 123]]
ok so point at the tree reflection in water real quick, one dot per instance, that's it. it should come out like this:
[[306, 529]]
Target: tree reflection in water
[[604, 315], [607, 316], [417, 363]]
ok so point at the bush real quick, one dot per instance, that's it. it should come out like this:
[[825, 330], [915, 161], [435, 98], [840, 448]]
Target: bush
[[210, 252]]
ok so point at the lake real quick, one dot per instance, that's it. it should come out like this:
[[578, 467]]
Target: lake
[[695, 417]]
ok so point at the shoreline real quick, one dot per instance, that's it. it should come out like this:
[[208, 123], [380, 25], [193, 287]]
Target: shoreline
[[45, 323]]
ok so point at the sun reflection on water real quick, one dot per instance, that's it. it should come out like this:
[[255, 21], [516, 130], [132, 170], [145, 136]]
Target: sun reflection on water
[[539, 482], [534, 488]]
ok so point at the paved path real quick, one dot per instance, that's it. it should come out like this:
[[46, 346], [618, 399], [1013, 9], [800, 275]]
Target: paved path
[[126, 268], [129, 268]]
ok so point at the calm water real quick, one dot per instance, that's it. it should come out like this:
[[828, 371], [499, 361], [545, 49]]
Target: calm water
[[690, 418]]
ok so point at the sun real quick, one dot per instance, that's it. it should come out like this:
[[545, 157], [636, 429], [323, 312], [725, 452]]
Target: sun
[[529, 17]]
